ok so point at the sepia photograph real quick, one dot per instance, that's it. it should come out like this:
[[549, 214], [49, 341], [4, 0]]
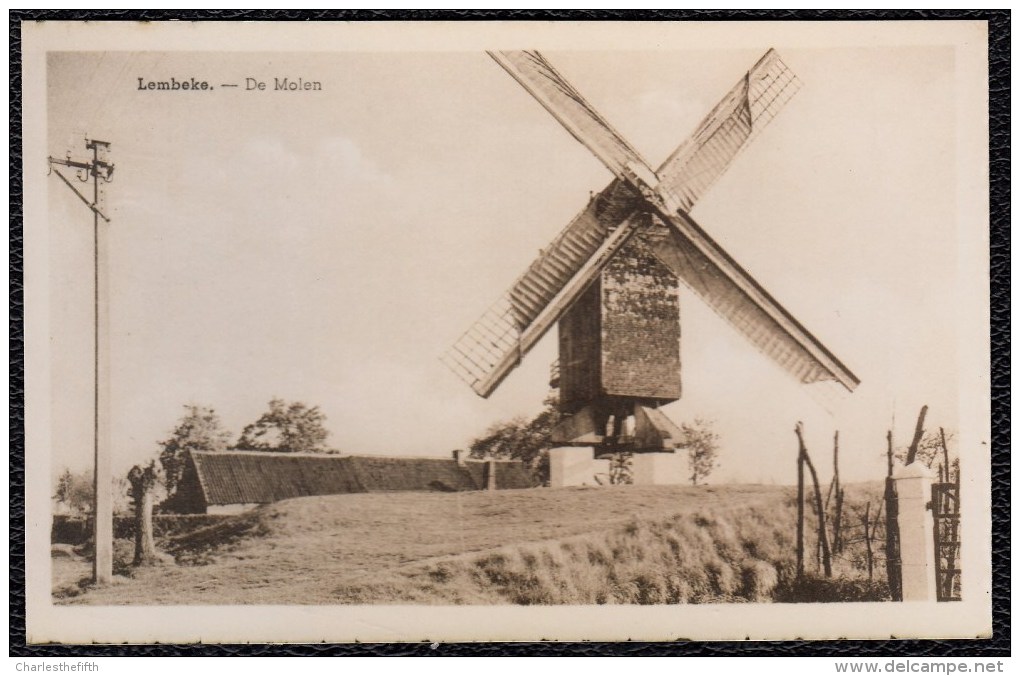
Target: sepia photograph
[[506, 331]]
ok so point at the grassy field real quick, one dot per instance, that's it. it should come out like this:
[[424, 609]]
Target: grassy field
[[625, 544]]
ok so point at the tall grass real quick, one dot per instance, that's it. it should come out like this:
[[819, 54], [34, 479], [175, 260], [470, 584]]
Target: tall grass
[[722, 555], [711, 555], [691, 559]]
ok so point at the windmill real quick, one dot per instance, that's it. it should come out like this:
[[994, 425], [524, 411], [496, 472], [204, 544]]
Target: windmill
[[609, 279]]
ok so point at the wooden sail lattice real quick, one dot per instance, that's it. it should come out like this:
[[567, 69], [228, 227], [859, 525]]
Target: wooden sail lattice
[[495, 344], [731, 126], [496, 334], [488, 341], [495, 337], [557, 263]]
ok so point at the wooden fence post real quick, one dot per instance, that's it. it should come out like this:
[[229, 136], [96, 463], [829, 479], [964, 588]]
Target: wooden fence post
[[945, 453], [837, 518], [892, 548], [867, 540], [822, 535], [800, 514]]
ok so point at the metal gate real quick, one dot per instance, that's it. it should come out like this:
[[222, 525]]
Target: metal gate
[[945, 509]]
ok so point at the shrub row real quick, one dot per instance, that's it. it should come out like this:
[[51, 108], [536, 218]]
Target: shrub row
[[76, 530]]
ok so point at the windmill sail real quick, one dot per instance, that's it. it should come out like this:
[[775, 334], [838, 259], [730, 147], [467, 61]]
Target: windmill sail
[[698, 162], [569, 251], [735, 121], [735, 296], [722, 283], [494, 345], [567, 105]]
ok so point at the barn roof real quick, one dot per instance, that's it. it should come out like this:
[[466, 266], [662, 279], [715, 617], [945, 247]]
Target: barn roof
[[245, 477]]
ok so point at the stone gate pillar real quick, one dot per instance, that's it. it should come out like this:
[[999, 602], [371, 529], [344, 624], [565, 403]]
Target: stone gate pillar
[[917, 544]]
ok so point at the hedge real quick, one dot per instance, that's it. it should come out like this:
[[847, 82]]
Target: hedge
[[76, 530]]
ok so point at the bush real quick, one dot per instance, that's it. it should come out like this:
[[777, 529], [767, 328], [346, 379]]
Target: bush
[[70, 530], [166, 526], [813, 589], [77, 530]]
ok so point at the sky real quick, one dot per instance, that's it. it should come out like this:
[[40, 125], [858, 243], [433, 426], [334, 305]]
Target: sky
[[328, 246]]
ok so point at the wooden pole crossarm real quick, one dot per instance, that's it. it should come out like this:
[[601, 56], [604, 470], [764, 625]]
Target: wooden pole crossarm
[[68, 162], [84, 199]]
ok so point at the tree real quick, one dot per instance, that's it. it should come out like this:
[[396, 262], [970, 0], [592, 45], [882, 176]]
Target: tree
[[199, 430], [522, 439], [929, 449], [621, 469], [702, 443], [143, 481], [287, 428], [75, 491]]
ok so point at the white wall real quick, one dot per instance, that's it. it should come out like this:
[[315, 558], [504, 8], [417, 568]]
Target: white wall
[[231, 509], [577, 466], [659, 469], [572, 466]]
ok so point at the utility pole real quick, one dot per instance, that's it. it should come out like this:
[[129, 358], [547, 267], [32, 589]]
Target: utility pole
[[94, 170]]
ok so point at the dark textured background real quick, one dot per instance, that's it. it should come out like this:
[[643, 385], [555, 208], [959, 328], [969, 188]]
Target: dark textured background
[[999, 95]]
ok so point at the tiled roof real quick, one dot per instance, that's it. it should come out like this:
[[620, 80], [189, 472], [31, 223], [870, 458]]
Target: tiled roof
[[255, 477], [245, 477], [410, 474]]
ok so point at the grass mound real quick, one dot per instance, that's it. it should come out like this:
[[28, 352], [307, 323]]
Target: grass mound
[[616, 544], [739, 555]]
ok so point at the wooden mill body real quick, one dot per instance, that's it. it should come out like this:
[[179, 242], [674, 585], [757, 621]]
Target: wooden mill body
[[619, 344]]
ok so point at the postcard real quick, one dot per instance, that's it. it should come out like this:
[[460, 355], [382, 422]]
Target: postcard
[[502, 331]]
